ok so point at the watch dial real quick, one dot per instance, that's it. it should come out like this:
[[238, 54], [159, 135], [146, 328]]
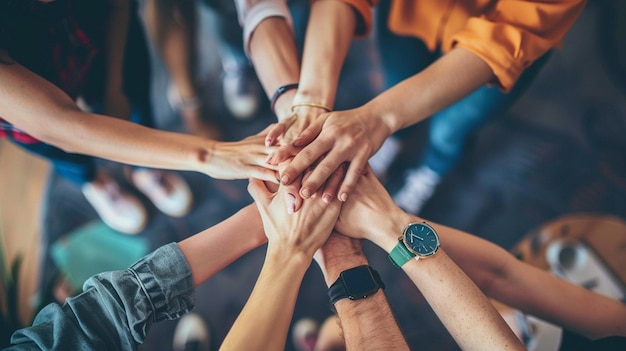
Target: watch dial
[[422, 239]]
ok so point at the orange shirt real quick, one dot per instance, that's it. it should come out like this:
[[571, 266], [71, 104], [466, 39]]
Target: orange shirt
[[507, 34]]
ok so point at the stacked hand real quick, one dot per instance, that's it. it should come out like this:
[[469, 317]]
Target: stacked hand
[[241, 159], [331, 140], [301, 232]]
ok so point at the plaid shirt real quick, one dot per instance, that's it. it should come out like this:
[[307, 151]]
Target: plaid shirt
[[72, 53]]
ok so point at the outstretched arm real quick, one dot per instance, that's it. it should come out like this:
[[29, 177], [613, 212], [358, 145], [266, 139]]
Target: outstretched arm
[[37, 107], [494, 270], [460, 305], [367, 324], [355, 135], [117, 309], [292, 241]]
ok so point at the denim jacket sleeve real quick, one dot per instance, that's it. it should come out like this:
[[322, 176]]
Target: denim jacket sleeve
[[116, 309]]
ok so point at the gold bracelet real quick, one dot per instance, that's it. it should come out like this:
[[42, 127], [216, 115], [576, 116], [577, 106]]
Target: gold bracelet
[[310, 104]]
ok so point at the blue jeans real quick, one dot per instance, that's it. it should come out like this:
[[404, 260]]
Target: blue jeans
[[450, 128], [116, 309]]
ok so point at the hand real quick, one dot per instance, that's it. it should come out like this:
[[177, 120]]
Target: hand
[[286, 131], [346, 136], [371, 214], [240, 160], [302, 232]]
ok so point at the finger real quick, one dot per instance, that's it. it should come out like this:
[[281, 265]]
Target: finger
[[309, 134], [320, 174], [333, 183], [265, 174], [353, 174], [274, 133], [292, 197], [305, 158], [282, 154], [259, 192]]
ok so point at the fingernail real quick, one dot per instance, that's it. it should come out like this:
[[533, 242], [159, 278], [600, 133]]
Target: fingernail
[[326, 198], [291, 204], [343, 197], [268, 142], [306, 192], [284, 179]]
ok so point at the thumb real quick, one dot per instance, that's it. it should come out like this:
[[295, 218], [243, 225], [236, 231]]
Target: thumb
[[258, 191]]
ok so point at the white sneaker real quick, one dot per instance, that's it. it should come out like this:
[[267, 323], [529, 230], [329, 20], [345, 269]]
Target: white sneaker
[[119, 210], [191, 334], [419, 186], [384, 157], [304, 334], [167, 190], [240, 91]]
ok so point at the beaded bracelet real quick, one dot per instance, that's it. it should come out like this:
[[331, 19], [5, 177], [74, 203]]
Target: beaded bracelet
[[310, 104], [279, 92]]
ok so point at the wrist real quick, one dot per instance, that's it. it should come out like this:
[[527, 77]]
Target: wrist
[[304, 95], [388, 118], [283, 105], [385, 235], [288, 256], [333, 265], [282, 100], [202, 154]]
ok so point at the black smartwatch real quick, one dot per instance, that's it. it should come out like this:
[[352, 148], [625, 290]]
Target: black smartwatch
[[355, 283]]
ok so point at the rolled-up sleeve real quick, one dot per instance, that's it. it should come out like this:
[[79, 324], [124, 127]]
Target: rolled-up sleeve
[[364, 12], [116, 309], [252, 12], [514, 33]]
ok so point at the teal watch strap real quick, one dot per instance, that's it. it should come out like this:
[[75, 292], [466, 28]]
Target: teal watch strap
[[400, 254]]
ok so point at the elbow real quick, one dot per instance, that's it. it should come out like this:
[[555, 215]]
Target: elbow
[[497, 277], [59, 129]]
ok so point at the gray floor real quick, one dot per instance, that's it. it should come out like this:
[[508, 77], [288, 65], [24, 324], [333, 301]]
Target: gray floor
[[559, 151]]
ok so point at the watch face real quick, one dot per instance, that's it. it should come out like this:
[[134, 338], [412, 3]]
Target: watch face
[[421, 239], [359, 282]]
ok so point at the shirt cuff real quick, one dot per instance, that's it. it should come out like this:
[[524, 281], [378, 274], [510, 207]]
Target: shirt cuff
[[259, 12], [165, 278]]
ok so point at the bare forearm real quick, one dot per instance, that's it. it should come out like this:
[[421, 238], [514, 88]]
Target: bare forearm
[[534, 291], [518, 287], [209, 251], [463, 309], [275, 57], [272, 299], [447, 80], [368, 324], [329, 35], [45, 112]]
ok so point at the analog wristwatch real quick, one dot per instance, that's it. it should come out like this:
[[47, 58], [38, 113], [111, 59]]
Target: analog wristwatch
[[418, 240]]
